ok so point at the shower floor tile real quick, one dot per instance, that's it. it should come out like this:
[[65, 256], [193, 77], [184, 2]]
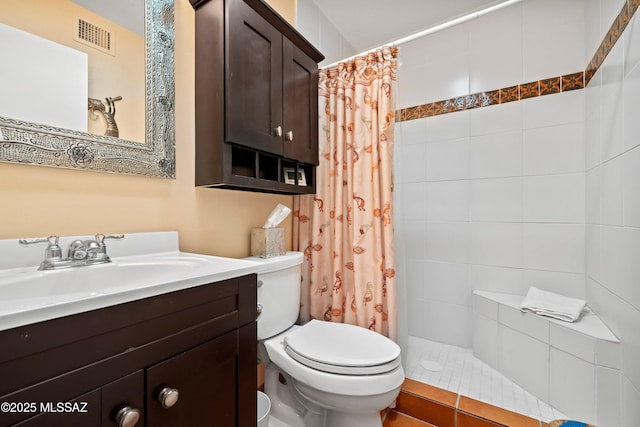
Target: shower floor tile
[[465, 375]]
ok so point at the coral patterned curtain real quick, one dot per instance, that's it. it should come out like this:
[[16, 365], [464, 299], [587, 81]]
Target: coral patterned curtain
[[346, 229]]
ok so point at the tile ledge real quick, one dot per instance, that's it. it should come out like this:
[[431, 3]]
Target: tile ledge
[[589, 324]]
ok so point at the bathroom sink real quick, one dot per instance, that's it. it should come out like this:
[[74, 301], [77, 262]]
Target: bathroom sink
[[28, 295], [27, 284]]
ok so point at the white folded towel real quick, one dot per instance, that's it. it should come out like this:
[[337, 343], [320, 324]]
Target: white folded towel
[[552, 305]]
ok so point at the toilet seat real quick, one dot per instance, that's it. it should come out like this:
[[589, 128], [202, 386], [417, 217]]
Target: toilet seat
[[347, 385], [343, 349]]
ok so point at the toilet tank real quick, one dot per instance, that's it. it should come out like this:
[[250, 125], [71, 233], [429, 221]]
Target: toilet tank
[[278, 292]]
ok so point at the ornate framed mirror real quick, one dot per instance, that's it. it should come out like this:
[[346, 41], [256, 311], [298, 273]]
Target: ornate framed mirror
[[43, 144]]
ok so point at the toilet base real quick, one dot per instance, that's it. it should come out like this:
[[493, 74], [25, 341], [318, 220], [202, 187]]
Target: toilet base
[[287, 405], [299, 406], [335, 418]]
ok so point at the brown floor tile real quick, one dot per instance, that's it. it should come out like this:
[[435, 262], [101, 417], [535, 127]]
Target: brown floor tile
[[430, 392], [498, 415], [424, 409], [466, 420], [396, 419]]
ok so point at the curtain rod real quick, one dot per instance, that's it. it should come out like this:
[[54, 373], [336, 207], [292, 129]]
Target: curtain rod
[[434, 29]]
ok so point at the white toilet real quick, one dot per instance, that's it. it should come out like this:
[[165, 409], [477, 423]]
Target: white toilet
[[321, 374]]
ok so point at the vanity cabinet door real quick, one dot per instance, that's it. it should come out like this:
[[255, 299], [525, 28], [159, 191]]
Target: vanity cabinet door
[[204, 379], [84, 411], [122, 397], [300, 110], [254, 80]]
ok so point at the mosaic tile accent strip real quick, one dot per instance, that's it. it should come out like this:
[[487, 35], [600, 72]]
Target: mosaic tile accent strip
[[610, 39], [542, 87], [529, 90], [552, 85], [573, 81], [509, 94]]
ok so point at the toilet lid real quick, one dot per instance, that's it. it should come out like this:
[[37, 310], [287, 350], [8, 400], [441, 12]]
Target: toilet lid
[[342, 349]]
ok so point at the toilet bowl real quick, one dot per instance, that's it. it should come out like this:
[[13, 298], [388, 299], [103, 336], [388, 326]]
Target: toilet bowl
[[320, 374]]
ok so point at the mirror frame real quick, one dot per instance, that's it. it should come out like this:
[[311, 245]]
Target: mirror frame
[[39, 144]]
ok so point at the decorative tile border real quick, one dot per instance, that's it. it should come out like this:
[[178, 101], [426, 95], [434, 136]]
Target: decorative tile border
[[493, 97], [568, 82]]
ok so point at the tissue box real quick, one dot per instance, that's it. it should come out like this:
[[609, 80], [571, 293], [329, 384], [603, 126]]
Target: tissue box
[[267, 242]]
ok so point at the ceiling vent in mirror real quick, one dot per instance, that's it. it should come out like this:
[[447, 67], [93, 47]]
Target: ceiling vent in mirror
[[94, 36]]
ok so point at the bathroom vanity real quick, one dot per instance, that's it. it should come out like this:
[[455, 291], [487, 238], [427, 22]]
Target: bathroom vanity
[[183, 355]]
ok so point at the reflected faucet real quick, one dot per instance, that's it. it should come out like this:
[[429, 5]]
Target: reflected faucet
[[108, 113], [81, 253]]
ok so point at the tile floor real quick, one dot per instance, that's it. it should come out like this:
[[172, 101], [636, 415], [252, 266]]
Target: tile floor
[[465, 375]]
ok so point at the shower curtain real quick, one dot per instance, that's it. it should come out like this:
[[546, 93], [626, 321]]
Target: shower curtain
[[346, 229]]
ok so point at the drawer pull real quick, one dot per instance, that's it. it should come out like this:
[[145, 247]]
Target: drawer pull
[[127, 417], [168, 397]]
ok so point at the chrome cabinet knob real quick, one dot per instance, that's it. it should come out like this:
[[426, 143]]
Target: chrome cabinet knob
[[127, 417], [278, 131], [168, 397], [259, 310], [289, 136]]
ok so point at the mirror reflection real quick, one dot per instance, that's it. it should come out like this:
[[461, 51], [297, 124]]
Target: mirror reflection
[[75, 68], [44, 143]]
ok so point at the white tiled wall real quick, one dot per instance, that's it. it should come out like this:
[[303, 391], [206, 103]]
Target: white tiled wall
[[542, 192], [612, 215], [492, 198], [316, 28]]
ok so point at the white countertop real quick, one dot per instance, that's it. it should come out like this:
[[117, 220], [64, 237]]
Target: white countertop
[[143, 265]]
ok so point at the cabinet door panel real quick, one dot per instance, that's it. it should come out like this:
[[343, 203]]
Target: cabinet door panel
[[254, 80], [84, 412], [127, 391], [300, 105], [205, 378]]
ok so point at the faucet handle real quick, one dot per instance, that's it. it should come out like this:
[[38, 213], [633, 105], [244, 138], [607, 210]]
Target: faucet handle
[[100, 237], [53, 250], [98, 249], [29, 242]]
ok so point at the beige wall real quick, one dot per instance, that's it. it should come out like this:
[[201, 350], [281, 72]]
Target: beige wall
[[40, 201], [286, 8], [121, 74]]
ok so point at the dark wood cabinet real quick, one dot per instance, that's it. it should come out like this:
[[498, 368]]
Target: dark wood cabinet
[[300, 105], [256, 99], [254, 80], [205, 378], [187, 358], [85, 416], [124, 394]]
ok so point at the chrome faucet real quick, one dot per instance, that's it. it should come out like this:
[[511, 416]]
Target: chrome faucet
[[81, 253]]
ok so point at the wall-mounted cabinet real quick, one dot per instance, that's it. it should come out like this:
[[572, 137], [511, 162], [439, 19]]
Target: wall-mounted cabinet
[[256, 99]]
